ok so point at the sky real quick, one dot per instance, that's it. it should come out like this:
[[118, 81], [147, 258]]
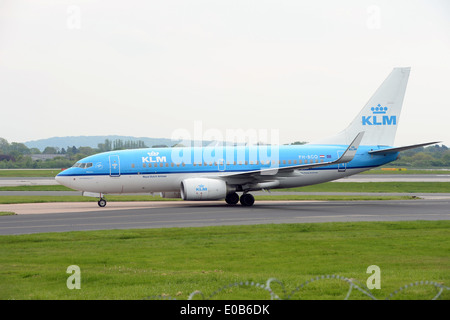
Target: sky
[[288, 70]]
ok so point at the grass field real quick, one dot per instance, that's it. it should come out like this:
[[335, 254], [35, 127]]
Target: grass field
[[44, 173], [163, 263], [381, 187], [54, 172]]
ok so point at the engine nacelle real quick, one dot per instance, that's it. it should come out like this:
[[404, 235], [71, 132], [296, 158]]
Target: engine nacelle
[[203, 189]]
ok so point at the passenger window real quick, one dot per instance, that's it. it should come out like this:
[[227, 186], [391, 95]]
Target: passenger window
[[144, 165], [132, 165]]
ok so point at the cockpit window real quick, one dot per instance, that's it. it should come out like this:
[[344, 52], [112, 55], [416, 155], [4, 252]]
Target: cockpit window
[[82, 165]]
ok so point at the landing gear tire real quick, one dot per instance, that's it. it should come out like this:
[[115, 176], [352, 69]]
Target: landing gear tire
[[232, 198], [247, 200], [101, 203]]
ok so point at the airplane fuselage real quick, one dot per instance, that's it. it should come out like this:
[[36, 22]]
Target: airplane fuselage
[[156, 170]]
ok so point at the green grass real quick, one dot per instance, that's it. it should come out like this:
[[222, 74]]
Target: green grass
[[138, 264], [7, 213], [383, 187], [44, 173], [407, 171], [36, 188], [54, 172], [389, 187]]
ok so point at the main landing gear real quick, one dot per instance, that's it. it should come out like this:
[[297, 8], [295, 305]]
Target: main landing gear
[[101, 202], [246, 199]]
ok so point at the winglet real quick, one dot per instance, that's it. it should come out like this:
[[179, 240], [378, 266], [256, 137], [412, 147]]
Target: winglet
[[350, 153]]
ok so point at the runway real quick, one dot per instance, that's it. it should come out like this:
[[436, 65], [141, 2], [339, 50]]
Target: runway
[[130, 215]]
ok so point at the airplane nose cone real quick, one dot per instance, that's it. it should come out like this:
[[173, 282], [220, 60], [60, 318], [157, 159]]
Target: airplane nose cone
[[58, 179], [62, 179]]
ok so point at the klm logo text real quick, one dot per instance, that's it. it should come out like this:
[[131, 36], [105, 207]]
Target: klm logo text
[[153, 157], [201, 188], [380, 121]]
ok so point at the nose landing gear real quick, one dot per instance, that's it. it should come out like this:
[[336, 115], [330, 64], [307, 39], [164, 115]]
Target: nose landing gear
[[101, 202]]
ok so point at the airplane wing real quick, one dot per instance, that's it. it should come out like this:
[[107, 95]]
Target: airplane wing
[[271, 174], [398, 149]]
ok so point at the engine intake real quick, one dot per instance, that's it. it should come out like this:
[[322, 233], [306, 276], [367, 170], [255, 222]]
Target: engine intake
[[203, 189]]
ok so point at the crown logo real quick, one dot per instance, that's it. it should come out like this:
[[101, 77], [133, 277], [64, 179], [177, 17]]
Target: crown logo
[[153, 154], [379, 109]]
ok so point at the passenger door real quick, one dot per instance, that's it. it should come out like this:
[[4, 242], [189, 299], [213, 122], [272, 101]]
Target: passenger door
[[114, 166]]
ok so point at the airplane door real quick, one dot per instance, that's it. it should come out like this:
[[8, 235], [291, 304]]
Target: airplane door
[[341, 166], [221, 165], [114, 166]]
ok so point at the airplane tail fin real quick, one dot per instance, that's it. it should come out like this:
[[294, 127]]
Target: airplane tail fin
[[380, 116]]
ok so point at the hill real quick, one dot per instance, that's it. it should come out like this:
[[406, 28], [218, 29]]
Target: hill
[[92, 141]]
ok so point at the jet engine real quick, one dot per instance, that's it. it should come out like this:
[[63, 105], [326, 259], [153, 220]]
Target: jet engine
[[203, 189]]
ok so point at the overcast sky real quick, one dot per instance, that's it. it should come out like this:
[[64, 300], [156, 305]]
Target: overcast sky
[[148, 68]]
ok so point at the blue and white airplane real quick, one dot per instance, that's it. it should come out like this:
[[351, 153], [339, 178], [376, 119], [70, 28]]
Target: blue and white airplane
[[223, 172]]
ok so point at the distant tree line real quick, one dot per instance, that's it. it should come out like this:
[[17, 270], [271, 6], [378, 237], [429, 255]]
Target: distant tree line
[[434, 156], [18, 155]]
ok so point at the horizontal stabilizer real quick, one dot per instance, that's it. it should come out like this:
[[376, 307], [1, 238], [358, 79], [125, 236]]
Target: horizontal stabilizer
[[398, 149]]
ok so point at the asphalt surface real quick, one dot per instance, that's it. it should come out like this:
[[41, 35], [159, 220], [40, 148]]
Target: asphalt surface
[[68, 216], [118, 215]]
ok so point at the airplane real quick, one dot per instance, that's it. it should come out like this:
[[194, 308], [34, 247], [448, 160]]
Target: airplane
[[217, 173]]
